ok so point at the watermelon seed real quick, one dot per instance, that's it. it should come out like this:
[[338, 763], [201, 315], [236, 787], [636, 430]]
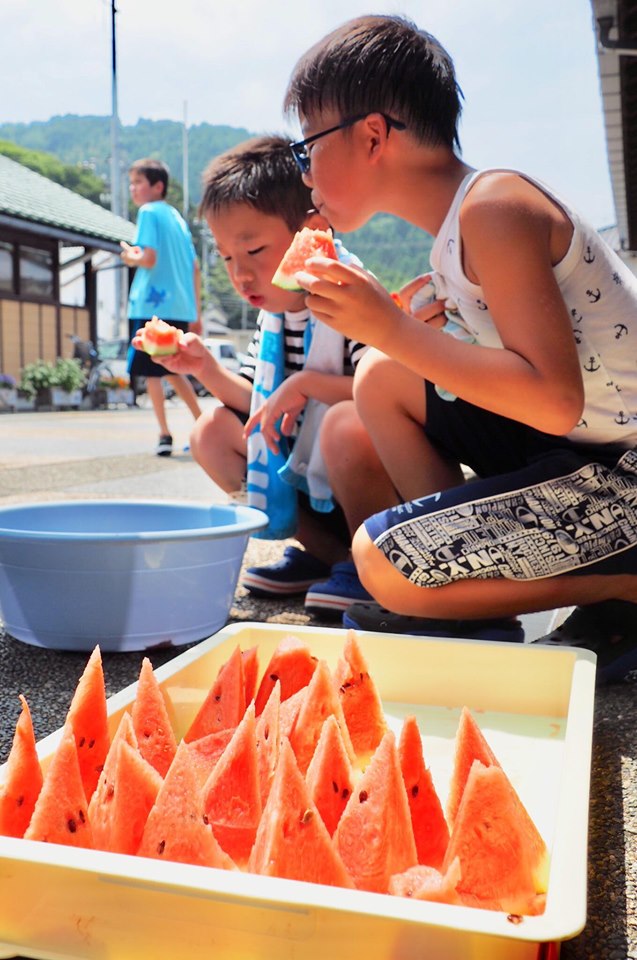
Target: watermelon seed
[[515, 918], [205, 819], [345, 793], [81, 816], [82, 741], [335, 785], [110, 791], [266, 733], [307, 816], [160, 846], [362, 796], [273, 677], [71, 824], [91, 744], [19, 801], [414, 790], [345, 686], [217, 697]]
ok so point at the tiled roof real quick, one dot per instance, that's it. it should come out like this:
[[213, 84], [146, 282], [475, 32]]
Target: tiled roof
[[29, 196]]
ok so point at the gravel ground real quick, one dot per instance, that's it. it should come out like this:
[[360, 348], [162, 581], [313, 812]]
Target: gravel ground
[[48, 678]]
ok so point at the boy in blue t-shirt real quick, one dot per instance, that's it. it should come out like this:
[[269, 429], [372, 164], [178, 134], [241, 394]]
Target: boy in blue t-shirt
[[166, 283]]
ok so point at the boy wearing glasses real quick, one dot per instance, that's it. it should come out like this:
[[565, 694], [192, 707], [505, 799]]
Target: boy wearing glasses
[[254, 201], [546, 408]]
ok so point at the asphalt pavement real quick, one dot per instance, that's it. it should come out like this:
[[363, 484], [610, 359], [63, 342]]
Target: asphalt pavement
[[110, 454]]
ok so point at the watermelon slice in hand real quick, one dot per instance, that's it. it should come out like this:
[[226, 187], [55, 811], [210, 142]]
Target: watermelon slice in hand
[[306, 243], [159, 339]]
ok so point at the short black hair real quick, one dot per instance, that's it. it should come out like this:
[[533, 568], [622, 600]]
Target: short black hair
[[154, 170], [383, 64], [260, 172]]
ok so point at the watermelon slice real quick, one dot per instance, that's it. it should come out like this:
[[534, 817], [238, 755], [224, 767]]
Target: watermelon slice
[[123, 799], [250, 672], [431, 832], [293, 664], [321, 700], [60, 814], [503, 859], [292, 841], [176, 828], [329, 775], [268, 737], [470, 745], [225, 703], [88, 720], [427, 883], [23, 783], [206, 751], [306, 243], [232, 796], [360, 700], [374, 835], [151, 721], [289, 711], [159, 339]]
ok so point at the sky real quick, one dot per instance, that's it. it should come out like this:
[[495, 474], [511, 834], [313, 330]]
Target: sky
[[528, 71]]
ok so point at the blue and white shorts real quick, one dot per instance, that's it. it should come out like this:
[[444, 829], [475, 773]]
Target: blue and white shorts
[[540, 505]]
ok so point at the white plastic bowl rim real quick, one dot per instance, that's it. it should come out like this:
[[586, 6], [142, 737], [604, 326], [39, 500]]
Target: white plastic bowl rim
[[248, 521]]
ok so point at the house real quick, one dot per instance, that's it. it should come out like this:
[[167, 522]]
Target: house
[[615, 25], [50, 241]]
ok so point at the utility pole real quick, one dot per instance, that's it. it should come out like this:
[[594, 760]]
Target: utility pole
[[185, 162], [115, 178]]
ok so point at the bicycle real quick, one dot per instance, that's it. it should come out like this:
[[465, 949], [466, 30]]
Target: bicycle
[[94, 369]]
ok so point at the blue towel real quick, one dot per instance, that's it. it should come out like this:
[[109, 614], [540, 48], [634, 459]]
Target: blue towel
[[267, 491]]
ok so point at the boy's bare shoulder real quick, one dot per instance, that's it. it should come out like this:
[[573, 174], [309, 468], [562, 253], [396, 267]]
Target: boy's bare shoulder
[[505, 193]]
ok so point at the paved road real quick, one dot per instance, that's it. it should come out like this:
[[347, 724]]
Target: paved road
[[59, 455]]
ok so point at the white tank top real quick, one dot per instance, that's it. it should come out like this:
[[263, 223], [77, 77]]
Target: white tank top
[[600, 293]]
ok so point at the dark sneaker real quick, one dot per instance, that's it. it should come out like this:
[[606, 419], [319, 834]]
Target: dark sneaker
[[293, 574], [165, 446], [371, 616], [337, 593], [607, 629]]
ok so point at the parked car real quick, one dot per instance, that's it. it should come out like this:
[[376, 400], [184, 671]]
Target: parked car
[[225, 352]]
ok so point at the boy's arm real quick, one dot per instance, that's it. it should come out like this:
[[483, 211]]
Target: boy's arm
[[509, 240], [193, 358]]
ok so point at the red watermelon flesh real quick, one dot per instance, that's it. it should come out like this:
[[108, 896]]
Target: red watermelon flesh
[[306, 243], [88, 719], [289, 711], [470, 745], [292, 664], [268, 738], [60, 814], [360, 700], [321, 700], [120, 805], [160, 339], [502, 856], [151, 721], [292, 841], [232, 795], [431, 832], [427, 883], [125, 731], [206, 751], [176, 828], [329, 776], [374, 835], [23, 782], [250, 672], [225, 702]]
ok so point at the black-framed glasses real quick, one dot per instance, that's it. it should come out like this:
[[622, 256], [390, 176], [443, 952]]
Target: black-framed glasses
[[299, 149]]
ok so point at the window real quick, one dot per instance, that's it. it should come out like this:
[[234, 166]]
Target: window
[[36, 272], [6, 267]]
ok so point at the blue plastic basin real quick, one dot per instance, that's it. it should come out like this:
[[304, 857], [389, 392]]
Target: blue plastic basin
[[125, 574]]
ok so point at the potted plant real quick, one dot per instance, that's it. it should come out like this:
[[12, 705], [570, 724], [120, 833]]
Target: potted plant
[[68, 380], [8, 392], [117, 390]]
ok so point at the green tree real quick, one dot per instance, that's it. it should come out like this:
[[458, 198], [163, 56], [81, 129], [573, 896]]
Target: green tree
[[76, 177]]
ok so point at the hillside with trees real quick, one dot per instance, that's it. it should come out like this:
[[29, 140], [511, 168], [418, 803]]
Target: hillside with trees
[[75, 151]]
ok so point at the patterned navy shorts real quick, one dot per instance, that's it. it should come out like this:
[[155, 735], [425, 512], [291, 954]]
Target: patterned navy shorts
[[540, 505]]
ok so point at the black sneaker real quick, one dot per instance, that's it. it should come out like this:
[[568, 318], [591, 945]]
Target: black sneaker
[[165, 446], [293, 574]]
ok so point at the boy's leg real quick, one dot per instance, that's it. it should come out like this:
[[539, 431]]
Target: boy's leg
[[218, 446], [185, 390], [155, 391], [356, 474], [391, 403]]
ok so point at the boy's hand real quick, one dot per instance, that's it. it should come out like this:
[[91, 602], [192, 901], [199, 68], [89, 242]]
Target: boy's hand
[[287, 401], [418, 297], [351, 300], [130, 255], [192, 357]]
